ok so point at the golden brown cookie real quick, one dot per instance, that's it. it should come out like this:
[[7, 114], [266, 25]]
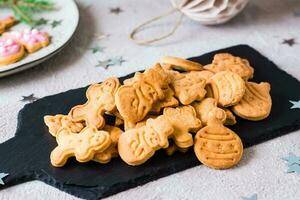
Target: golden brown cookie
[[184, 121], [189, 88], [172, 148], [181, 64], [256, 103], [230, 118], [226, 61], [169, 101], [82, 146], [101, 98], [6, 23], [57, 122], [135, 101], [228, 88], [112, 151], [216, 146], [204, 74], [137, 145]]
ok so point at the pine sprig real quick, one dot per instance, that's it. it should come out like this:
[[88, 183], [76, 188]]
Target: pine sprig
[[25, 9]]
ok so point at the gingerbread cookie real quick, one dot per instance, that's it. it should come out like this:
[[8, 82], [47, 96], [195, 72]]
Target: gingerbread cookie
[[228, 88], [32, 40], [10, 51], [137, 145], [217, 146], [189, 88], [101, 99], [83, 146], [136, 100], [183, 120], [6, 23], [181, 64], [256, 103], [112, 150], [226, 61], [57, 122]]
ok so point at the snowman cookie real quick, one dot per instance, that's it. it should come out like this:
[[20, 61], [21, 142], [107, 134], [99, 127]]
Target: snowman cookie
[[11, 51], [32, 40]]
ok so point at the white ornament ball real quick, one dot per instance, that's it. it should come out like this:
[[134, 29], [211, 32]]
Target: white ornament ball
[[210, 12]]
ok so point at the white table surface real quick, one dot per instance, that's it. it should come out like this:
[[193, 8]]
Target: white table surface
[[264, 24]]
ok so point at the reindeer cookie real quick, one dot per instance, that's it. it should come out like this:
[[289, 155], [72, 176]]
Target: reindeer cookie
[[228, 88], [180, 64], [101, 99], [189, 88], [6, 23], [57, 122], [183, 120], [256, 103], [217, 146], [136, 100], [112, 150], [32, 40], [11, 51], [226, 61], [83, 146], [137, 145]]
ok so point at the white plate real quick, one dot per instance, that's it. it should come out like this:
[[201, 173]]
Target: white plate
[[66, 11]]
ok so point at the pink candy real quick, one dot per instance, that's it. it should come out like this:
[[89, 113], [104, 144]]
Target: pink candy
[[8, 47]]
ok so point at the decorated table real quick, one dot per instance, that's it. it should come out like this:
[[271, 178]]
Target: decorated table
[[101, 48]]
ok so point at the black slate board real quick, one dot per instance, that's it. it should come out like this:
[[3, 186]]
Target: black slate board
[[26, 156]]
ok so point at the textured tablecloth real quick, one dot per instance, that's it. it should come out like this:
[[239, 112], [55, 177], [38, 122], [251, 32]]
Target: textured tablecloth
[[264, 25]]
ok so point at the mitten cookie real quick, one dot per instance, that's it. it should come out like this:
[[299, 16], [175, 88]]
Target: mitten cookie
[[101, 98], [137, 145], [189, 88], [180, 64], [256, 103], [32, 40], [10, 51], [135, 100], [112, 150], [172, 148], [57, 122], [217, 146], [228, 88], [6, 23], [226, 61], [82, 146], [183, 120]]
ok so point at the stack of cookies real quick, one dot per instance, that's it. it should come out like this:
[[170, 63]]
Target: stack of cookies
[[174, 105], [15, 44]]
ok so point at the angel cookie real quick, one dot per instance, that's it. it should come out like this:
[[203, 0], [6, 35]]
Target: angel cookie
[[32, 40], [170, 62], [57, 122], [228, 88], [11, 51], [256, 103], [6, 23], [137, 145], [83, 146], [216, 146], [226, 61], [101, 99], [136, 99]]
